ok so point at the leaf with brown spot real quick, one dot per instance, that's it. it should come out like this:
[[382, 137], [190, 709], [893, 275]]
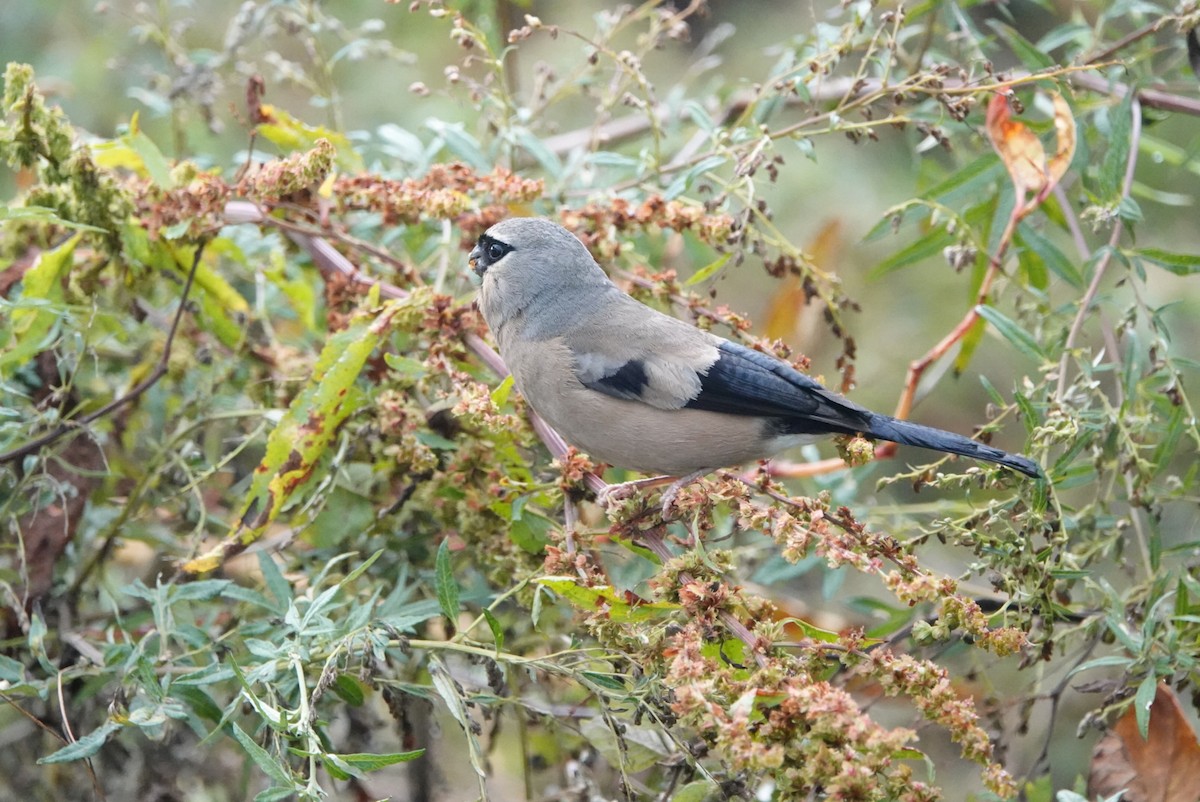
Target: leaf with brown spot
[[1164, 767], [304, 433]]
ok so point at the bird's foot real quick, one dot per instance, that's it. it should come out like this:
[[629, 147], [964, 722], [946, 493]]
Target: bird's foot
[[611, 494], [669, 495]]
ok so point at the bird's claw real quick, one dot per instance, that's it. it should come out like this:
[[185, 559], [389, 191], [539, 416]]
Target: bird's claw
[[611, 494]]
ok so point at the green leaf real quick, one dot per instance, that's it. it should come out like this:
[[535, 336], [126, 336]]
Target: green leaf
[[1033, 58], [448, 690], [607, 158], [684, 181], [698, 791], [1120, 133], [222, 306], [275, 581], [299, 291], [202, 590], [360, 569], [637, 749], [43, 214], [460, 143], [349, 690], [435, 441], [301, 437], [291, 134], [816, 633], [405, 366], [200, 702], [32, 322], [967, 181], [1142, 702], [602, 598], [535, 147], [445, 584], [503, 390], [1181, 264], [709, 270], [1011, 331], [968, 345], [152, 159], [531, 532], [1036, 243], [86, 746], [607, 681], [929, 245], [11, 670], [364, 761], [261, 757], [497, 630]]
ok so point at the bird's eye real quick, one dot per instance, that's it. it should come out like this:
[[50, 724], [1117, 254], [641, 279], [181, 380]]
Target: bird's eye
[[495, 251]]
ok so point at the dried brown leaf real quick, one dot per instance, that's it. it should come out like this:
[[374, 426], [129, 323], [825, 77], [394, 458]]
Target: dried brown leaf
[[784, 311], [1064, 127], [1165, 767], [1019, 148], [1022, 152]]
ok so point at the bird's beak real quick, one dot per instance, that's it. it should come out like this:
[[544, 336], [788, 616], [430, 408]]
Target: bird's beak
[[473, 261]]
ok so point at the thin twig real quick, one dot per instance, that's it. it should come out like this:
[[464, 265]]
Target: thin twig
[[1106, 258], [917, 368], [62, 710], [160, 370]]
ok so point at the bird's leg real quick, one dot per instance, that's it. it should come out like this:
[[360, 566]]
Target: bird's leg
[[613, 493], [624, 490], [668, 496]]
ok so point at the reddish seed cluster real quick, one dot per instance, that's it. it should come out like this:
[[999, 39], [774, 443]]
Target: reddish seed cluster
[[806, 733], [594, 223], [297, 174], [200, 204], [446, 192]]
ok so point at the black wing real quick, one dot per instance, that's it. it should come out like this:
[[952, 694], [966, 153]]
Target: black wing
[[747, 382], [627, 381]]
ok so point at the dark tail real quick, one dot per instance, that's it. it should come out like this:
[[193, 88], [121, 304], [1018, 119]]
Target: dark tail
[[914, 434]]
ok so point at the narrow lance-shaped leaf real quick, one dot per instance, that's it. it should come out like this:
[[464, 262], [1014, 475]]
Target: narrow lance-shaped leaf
[[445, 583], [222, 306], [307, 428], [86, 746]]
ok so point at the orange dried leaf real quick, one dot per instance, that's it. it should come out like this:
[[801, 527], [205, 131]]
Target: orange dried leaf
[[783, 315], [1165, 767], [1064, 127], [1019, 148]]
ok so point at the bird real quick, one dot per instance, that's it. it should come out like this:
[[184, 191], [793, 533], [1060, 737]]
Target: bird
[[641, 390]]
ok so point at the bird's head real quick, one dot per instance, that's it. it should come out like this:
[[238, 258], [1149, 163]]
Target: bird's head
[[533, 266], [527, 244]]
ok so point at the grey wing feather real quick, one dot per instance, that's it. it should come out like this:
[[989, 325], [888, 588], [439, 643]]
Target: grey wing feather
[[639, 354]]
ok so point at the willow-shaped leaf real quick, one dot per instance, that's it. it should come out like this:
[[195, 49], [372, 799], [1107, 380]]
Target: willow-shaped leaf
[[304, 433]]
